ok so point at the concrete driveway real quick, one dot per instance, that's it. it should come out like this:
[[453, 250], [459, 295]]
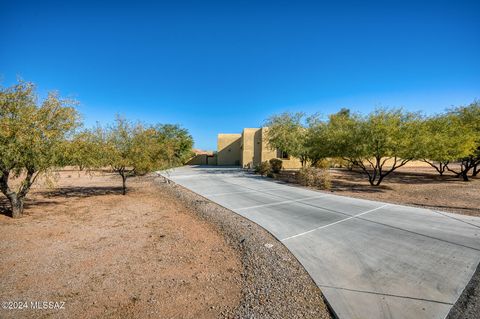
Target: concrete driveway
[[370, 259]]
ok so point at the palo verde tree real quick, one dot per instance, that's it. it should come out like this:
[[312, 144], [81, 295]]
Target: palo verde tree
[[135, 149], [32, 136], [444, 139], [469, 119], [378, 143]]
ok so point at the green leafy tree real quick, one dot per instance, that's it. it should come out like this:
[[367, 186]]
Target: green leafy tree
[[135, 149], [370, 142], [317, 134], [469, 119], [288, 133], [445, 139], [177, 141], [32, 138], [84, 150], [339, 137]]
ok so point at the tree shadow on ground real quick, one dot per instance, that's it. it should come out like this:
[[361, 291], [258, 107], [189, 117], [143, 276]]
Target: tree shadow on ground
[[397, 177], [344, 180], [339, 186], [5, 207], [64, 192], [76, 191]]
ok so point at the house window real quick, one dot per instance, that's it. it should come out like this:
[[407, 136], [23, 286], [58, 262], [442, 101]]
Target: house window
[[282, 155]]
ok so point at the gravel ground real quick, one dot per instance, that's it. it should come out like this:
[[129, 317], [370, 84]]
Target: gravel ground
[[275, 285], [100, 254], [468, 305]]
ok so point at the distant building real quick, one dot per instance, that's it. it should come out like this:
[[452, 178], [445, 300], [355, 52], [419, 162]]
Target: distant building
[[249, 149], [202, 157]]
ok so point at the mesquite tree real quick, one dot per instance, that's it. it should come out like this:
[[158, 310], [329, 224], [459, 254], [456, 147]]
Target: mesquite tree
[[445, 139], [379, 143], [294, 134], [286, 133], [32, 136], [131, 149], [469, 118], [84, 150]]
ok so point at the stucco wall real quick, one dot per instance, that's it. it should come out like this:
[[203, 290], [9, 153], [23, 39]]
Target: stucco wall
[[200, 159], [250, 148], [228, 147], [212, 160], [203, 159]]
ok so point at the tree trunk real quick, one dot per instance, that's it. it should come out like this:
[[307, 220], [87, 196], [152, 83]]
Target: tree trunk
[[16, 199], [442, 169], [442, 166], [380, 179], [16, 203], [465, 175], [476, 169], [124, 184]]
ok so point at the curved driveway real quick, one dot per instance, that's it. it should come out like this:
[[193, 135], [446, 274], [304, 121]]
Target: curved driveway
[[370, 259]]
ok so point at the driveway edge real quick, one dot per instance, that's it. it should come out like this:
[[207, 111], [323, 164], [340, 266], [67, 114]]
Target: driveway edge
[[275, 284], [468, 304]]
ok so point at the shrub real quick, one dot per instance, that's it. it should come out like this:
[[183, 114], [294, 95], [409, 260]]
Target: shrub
[[323, 163], [276, 165], [263, 169], [317, 177]]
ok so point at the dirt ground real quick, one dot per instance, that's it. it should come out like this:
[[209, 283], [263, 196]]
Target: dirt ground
[[104, 255], [417, 186]]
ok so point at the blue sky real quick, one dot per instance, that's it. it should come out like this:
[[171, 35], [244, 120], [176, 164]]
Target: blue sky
[[220, 66]]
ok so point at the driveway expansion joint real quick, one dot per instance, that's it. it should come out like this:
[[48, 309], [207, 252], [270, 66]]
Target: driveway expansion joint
[[400, 249], [385, 294], [335, 223]]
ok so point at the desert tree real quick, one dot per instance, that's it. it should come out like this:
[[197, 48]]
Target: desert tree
[[469, 119], [378, 143], [32, 136], [131, 149], [444, 139], [84, 149], [316, 147], [177, 143], [287, 132], [339, 137]]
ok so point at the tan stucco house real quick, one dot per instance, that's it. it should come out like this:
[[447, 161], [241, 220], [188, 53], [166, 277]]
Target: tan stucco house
[[249, 149]]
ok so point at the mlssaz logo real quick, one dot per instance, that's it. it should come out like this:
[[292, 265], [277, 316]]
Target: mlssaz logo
[[46, 305]]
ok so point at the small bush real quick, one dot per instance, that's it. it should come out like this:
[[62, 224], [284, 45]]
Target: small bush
[[271, 175], [263, 169], [323, 163], [276, 165], [316, 177]]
